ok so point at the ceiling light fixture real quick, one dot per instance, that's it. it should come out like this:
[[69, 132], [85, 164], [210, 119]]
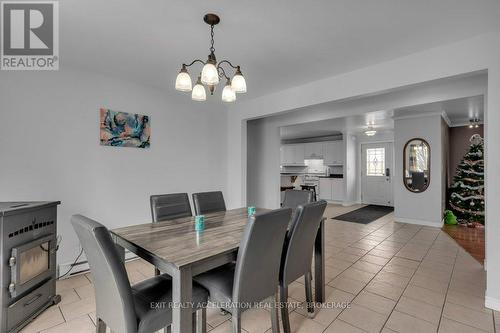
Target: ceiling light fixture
[[474, 123], [370, 131], [211, 73]]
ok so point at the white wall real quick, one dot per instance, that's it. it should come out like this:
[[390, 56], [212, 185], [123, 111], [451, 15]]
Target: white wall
[[471, 55], [49, 148], [425, 207], [350, 169]]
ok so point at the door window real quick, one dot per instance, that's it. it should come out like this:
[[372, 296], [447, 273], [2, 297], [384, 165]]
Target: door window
[[375, 162]]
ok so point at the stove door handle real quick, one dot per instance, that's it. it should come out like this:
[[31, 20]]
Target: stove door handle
[[37, 296]]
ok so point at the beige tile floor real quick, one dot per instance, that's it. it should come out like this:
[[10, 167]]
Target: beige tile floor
[[395, 278]]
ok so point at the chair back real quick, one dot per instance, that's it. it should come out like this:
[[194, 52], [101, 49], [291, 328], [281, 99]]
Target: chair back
[[170, 206], [114, 301], [256, 275], [299, 242], [418, 180], [294, 198], [208, 202]]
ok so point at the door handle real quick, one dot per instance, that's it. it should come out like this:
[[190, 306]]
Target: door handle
[[387, 172]]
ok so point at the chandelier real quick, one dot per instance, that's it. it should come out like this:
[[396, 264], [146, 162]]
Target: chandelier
[[211, 73]]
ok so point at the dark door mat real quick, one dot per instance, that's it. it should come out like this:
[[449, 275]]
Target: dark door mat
[[365, 214]]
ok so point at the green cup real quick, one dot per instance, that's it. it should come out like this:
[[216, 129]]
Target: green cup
[[251, 211], [199, 222]]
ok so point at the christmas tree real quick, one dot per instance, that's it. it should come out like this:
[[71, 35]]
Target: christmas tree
[[467, 191]]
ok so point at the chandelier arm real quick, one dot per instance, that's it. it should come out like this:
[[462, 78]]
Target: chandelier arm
[[227, 62], [193, 62], [220, 69]]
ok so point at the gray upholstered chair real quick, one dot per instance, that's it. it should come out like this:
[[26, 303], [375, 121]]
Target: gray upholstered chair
[[418, 180], [170, 206], [298, 252], [121, 307], [208, 202], [254, 276], [294, 198]]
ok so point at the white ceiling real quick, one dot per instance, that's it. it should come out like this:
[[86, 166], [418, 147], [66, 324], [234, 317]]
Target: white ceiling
[[381, 120], [459, 111], [279, 44]]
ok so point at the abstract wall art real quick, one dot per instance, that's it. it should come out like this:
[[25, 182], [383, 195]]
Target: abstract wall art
[[122, 129]]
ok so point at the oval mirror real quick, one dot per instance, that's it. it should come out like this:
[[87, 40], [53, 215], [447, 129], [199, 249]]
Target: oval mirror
[[417, 165]]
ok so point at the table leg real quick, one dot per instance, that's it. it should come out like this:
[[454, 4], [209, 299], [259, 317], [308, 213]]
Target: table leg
[[319, 263], [182, 313]]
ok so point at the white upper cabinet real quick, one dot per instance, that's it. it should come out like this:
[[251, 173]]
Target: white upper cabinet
[[292, 154], [333, 152], [313, 150]]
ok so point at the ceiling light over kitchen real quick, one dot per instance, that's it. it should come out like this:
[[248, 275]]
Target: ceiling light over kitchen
[[370, 131], [211, 73]]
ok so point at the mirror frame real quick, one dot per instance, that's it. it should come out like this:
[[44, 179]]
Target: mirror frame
[[404, 165]]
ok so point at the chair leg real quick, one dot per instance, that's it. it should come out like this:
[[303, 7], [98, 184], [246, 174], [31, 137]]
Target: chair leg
[[309, 295], [157, 272], [101, 326], [284, 308], [236, 320], [201, 321], [274, 314]]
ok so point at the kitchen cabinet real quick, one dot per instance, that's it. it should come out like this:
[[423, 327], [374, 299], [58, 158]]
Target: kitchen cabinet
[[333, 152], [313, 150], [338, 191], [292, 154], [331, 189], [325, 189]]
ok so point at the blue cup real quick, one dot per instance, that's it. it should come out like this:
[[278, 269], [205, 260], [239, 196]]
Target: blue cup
[[251, 211], [199, 222]]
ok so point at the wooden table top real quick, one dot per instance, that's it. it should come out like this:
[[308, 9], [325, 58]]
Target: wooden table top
[[176, 241]]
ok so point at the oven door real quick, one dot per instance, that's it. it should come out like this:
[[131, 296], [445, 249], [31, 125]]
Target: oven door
[[31, 264]]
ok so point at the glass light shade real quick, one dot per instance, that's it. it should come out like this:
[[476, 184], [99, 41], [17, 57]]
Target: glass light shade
[[228, 94], [183, 82], [370, 131], [209, 74], [199, 93], [239, 84]]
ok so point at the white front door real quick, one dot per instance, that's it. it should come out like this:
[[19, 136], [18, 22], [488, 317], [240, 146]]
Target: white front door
[[376, 173]]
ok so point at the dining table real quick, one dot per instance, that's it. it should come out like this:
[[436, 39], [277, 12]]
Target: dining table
[[177, 249]]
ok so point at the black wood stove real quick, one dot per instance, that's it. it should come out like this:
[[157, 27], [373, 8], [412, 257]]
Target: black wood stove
[[28, 267]]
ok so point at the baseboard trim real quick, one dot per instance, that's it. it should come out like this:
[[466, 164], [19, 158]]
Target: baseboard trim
[[82, 267], [492, 303], [420, 222], [348, 204]]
